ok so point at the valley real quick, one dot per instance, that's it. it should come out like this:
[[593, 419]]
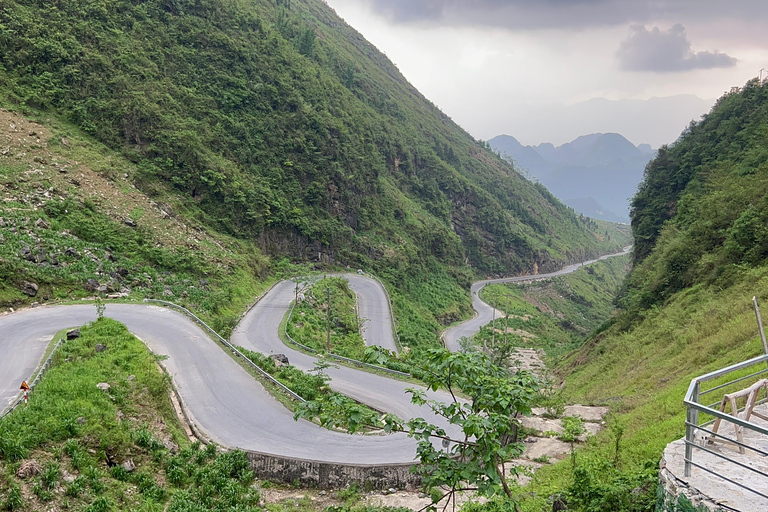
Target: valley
[[227, 156]]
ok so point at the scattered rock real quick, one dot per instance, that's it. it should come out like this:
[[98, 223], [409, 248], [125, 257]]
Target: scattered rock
[[129, 222], [559, 503], [119, 415], [280, 359], [108, 256], [203, 284], [80, 420], [100, 347], [91, 285], [40, 223], [167, 292], [29, 468], [131, 378], [323, 493], [103, 386], [30, 288], [73, 334], [26, 253], [171, 446], [71, 252], [65, 141], [67, 477], [129, 466]]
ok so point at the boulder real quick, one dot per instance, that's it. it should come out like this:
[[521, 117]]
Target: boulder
[[73, 334], [280, 359], [30, 288], [71, 252], [100, 347], [29, 468], [91, 285], [26, 253]]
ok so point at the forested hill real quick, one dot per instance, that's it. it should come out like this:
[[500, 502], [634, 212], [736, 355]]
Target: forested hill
[[701, 214], [275, 121]]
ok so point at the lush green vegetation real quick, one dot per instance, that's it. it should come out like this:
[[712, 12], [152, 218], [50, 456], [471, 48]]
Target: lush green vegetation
[[554, 315], [700, 214], [686, 307], [277, 122], [313, 324], [81, 438]]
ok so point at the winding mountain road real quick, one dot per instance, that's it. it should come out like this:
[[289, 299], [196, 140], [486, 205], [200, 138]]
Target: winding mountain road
[[224, 401], [484, 312]]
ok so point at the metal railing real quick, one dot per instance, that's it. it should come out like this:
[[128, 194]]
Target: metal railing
[[695, 407], [43, 368], [231, 347]]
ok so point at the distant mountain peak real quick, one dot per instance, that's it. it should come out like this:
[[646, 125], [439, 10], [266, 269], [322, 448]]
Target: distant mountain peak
[[596, 173]]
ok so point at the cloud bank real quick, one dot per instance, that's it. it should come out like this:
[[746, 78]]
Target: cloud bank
[[575, 14], [666, 52]]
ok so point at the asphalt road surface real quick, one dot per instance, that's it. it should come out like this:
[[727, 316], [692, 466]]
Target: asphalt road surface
[[485, 313], [224, 401]]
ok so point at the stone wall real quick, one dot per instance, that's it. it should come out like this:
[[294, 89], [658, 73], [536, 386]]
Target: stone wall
[[674, 495], [331, 475]]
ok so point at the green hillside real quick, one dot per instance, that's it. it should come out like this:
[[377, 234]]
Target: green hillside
[[699, 221], [277, 134]]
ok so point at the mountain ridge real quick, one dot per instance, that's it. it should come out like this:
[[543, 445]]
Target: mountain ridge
[[595, 174]]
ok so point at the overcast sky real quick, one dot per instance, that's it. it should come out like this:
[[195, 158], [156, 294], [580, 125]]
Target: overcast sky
[[551, 70]]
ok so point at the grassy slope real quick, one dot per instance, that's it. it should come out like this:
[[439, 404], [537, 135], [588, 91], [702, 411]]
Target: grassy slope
[[687, 303], [556, 314], [80, 436], [277, 122], [82, 197]]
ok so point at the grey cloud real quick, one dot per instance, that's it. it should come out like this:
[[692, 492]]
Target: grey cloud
[[666, 52], [576, 14]]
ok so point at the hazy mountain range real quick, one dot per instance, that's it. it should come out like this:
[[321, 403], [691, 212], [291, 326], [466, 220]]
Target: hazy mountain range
[[594, 174]]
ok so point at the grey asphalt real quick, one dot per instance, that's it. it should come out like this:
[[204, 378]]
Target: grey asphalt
[[223, 399], [484, 312], [258, 331]]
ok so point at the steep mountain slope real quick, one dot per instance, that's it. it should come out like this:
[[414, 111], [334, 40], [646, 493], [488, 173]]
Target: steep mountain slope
[[700, 220], [595, 174], [278, 122]]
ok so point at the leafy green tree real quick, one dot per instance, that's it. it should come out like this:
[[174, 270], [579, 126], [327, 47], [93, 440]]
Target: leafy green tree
[[475, 454]]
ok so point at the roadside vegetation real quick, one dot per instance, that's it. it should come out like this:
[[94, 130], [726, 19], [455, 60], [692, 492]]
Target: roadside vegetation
[[83, 448], [686, 308], [325, 318], [554, 315]]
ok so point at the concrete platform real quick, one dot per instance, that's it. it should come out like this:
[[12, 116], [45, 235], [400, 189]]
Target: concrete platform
[[703, 488]]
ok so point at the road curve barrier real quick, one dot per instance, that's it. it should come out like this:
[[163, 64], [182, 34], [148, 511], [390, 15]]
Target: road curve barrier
[[228, 345], [43, 368]]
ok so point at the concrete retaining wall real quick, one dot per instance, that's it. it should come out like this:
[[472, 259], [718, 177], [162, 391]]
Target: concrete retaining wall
[[331, 475]]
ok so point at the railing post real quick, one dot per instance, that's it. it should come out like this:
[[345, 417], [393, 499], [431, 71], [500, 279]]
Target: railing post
[[690, 429]]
